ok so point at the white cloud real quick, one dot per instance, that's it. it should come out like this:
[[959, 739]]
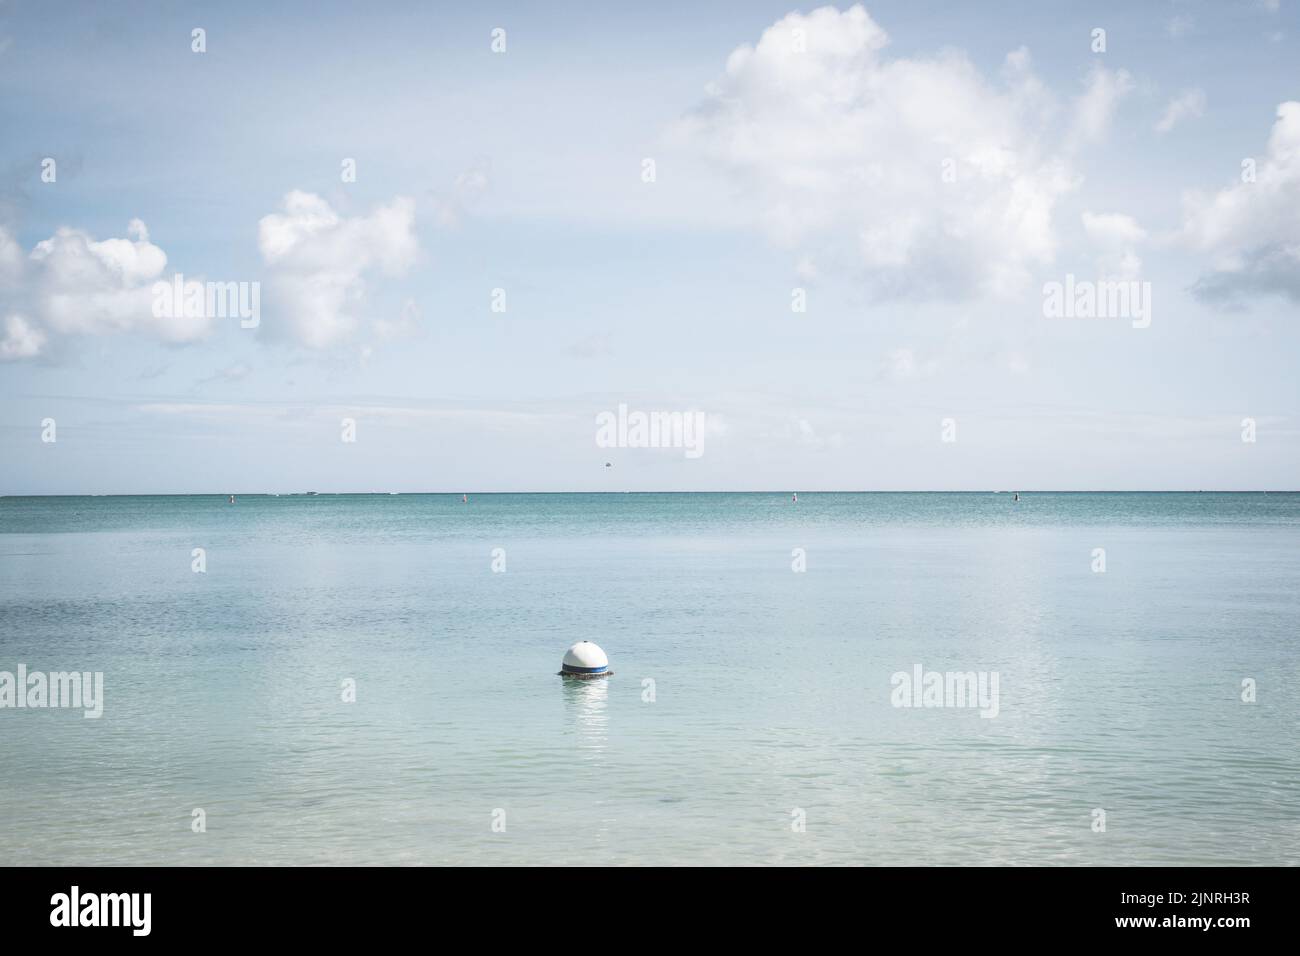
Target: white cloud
[[317, 261], [72, 284], [11, 260], [1188, 105], [20, 340], [1250, 229], [1117, 237], [1113, 228], [260, 413], [1095, 108], [840, 150]]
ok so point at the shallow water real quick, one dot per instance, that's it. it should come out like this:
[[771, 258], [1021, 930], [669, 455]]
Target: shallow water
[[772, 689]]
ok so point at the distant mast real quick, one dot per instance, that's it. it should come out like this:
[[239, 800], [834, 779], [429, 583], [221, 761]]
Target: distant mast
[[795, 497]]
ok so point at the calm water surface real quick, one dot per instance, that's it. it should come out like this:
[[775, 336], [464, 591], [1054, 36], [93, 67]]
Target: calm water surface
[[1119, 691]]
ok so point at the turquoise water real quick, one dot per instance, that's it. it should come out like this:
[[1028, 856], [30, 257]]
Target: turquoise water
[[772, 689]]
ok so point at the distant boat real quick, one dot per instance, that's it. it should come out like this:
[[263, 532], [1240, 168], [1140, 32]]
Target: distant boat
[[795, 497], [1016, 496], [232, 499]]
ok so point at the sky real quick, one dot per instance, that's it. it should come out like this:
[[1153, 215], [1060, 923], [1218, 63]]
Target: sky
[[473, 230]]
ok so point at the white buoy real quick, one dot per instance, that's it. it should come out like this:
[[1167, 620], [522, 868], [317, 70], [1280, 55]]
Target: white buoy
[[584, 661]]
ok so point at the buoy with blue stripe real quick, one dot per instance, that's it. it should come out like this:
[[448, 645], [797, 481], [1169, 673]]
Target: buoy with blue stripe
[[585, 661]]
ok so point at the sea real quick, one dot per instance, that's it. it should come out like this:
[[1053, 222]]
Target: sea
[[847, 679]]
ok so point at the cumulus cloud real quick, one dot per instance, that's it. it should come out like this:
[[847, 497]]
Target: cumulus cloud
[[317, 261], [1188, 105], [72, 284], [918, 171], [21, 340], [1113, 228], [11, 261], [1250, 229], [1116, 237], [1096, 106]]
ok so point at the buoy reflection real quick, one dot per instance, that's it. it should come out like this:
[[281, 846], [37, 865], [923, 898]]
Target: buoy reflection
[[587, 702]]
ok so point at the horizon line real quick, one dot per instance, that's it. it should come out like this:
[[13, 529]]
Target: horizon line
[[833, 491]]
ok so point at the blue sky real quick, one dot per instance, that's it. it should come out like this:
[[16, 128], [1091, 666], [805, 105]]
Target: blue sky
[[793, 149]]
